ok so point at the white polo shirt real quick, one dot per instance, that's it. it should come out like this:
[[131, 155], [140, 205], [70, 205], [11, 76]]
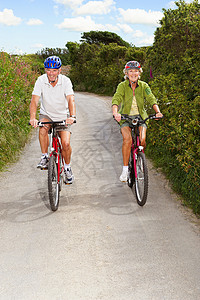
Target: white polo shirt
[[53, 99]]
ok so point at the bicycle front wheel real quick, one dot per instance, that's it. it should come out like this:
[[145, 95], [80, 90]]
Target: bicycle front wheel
[[141, 182], [131, 174], [53, 184]]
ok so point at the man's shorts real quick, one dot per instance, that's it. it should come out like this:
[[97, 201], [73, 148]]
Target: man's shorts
[[126, 123], [60, 128]]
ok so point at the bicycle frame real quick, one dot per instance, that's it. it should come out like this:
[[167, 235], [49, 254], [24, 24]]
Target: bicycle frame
[[56, 145], [135, 148]]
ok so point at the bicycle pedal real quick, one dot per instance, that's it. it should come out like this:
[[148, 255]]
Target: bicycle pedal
[[46, 168]]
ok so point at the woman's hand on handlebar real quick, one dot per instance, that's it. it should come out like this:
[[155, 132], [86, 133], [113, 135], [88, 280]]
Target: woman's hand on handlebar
[[117, 117], [159, 115]]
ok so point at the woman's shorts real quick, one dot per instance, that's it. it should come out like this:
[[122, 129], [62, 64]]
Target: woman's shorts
[[126, 123], [60, 128]]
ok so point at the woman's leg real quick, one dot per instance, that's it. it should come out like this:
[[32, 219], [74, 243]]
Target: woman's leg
[[126, 146], [143, 131]]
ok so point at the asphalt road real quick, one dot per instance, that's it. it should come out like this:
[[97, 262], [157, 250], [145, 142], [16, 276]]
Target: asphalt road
[[99, 244]]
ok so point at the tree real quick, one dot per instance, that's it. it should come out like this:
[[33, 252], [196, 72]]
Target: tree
[[61, 52], [177, 41], [103, 37]]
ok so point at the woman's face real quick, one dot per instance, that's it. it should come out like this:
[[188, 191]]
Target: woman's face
[[133, 74]]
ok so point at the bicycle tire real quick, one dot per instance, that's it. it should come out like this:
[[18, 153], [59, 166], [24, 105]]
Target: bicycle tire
[[131, 174], [141, 182], [61, 173], [53, 185]]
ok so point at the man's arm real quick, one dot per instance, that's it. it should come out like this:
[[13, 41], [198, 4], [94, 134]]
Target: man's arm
[[33, 110], [72, 109]]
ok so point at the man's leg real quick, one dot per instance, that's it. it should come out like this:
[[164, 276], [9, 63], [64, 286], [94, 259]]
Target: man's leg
[[44, 142], [66, 147], [66, 153]]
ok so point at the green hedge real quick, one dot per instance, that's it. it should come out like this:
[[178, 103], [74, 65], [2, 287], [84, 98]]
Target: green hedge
[[98, 68], [16, 84], [174, 142]]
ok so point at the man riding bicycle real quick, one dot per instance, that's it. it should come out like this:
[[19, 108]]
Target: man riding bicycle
[[56, 95], [131, 95]]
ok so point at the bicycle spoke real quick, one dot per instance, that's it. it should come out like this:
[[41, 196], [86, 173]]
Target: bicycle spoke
[[141, 184], [53, 184]]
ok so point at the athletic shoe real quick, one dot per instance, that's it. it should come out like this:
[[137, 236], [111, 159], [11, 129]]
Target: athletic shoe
[[124, 176], [43, 164], [68, 177]]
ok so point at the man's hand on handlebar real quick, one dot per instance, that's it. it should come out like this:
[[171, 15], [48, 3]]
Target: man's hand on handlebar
[[70, 120], [34, 123]]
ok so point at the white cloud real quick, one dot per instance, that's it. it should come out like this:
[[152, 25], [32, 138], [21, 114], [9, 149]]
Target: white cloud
[[125, 27], [147, 41], [37, 46], [171, 4], [110, 27], [69, 3], [56, 11], [95, 8], [7, 18], [140, 16], [18, 51], [80, 24], [33, 22], [138, 34]]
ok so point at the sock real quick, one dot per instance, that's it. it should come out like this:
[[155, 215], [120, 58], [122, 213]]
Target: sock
[[44, 154], [125, 168], [67, 166]]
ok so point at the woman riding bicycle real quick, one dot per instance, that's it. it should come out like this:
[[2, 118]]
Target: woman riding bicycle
[[131, 95]]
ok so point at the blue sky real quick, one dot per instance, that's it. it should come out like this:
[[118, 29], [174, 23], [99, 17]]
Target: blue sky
[[27, 26]]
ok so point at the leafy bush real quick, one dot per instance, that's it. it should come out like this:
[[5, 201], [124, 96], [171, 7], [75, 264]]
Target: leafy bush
[[104, 71], [174, 143], [35, 62], [175, 61], [16, 83]]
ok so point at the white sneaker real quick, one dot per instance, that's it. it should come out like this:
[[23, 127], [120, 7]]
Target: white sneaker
[[124, 176], [69, 177]]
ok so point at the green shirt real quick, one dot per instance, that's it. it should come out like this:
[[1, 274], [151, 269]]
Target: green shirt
[[124, 97]]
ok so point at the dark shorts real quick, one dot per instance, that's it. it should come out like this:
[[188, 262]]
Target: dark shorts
[[61, 128], [126, 123]]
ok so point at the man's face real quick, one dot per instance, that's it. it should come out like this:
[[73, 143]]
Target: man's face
[[52, 74]]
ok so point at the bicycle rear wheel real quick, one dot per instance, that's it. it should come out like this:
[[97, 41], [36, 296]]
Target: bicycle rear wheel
[[141, 182], [53, 184]]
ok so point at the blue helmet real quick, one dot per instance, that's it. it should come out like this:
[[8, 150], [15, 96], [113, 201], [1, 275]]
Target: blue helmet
[[52, 62]]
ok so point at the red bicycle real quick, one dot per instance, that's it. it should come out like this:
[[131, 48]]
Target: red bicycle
[[55, 163], [137, 167]]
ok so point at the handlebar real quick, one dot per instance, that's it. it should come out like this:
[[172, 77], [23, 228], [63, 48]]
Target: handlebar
[[137, 119], [59, 123]]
